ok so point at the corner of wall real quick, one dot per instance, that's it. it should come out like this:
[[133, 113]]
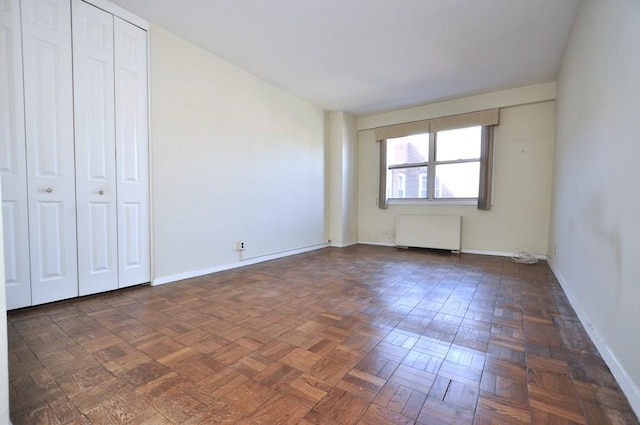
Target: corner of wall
[[600, 280], [335, 177], [327, 179], [628, 386], [350, 170], [342, 178]]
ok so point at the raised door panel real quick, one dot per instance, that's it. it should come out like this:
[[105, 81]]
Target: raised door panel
[[13, 167], [133, 153], [93, 64], [48, 96], [16, 254], [50, 220]]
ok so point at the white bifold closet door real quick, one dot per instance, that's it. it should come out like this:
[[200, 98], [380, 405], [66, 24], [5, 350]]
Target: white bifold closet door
[[74, 155], [48, 98], [112, 175], [132, 146], [93, 67], [13, 165]]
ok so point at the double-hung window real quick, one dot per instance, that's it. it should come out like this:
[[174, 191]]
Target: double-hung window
[[442, 159], [441, 165]]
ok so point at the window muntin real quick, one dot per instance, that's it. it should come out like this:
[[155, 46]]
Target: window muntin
[[445, 165], [437, 190]]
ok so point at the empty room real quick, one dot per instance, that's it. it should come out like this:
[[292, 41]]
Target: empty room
[[319, 212]]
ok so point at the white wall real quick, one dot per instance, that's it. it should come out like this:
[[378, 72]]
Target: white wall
[[519, 217], [595, 216], [4, 360], [234, 158], [343, 200]]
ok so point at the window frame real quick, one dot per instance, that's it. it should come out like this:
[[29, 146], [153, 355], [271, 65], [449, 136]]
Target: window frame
[[431, 165], [488, 119]]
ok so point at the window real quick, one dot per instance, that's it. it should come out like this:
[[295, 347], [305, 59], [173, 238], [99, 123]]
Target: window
[[445, 158], [441, 165]]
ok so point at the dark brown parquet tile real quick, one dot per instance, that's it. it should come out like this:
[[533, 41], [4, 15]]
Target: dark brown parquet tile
[[413, 378], [439, 412], [276, 375], [493, 409], [329, 370], [377, 415], [341, 406], [557, 404], [278, 410], [306, 389], [361, 335], [399, 399], [362, 384], [181, 402]]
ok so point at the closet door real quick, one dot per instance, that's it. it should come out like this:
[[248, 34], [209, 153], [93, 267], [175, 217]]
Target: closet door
[[46, 41], [93, 64], [133, 153], [13, 166]]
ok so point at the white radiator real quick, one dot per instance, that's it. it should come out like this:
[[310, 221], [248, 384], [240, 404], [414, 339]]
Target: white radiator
[[428, 231]]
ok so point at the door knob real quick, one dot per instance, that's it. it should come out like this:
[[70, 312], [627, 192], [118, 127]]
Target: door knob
[[101, 192], [48, 190]]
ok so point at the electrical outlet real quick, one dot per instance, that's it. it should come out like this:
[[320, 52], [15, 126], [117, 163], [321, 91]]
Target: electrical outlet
[[240, 246]]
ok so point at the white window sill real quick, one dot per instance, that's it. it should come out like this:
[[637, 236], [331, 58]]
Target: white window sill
[[438, 202]]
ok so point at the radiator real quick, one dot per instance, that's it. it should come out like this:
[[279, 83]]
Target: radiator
[[428, 231]]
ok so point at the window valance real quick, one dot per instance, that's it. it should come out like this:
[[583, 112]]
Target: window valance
[[484, 118]]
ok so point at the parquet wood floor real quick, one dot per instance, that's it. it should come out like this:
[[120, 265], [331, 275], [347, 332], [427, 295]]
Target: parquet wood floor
[[360, 335]]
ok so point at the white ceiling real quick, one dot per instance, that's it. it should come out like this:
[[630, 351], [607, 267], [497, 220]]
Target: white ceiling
[[370, 56]]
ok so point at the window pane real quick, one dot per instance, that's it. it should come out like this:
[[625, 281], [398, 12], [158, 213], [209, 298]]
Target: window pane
[[423, 188], [408, 150], [461, 143], [457, 180], [410, 182]]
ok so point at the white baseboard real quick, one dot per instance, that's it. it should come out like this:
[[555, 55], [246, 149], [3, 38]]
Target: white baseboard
[[195, 273], [628, 386], [464, 251], [497, 253], [376, 243], [492, 253], [343, 245]]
